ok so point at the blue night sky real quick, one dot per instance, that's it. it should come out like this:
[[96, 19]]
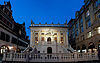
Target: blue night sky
[[44, 11]]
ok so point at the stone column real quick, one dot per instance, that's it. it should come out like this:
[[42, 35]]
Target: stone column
[[10, 38], [31, 40], [39, 36], [66, 39], [84, 22], [92, 17], [58, 37]]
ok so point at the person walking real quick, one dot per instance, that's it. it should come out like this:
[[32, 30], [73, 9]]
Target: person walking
[[99, 55]]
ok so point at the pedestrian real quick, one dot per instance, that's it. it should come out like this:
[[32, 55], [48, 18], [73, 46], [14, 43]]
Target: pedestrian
[[99, 55]]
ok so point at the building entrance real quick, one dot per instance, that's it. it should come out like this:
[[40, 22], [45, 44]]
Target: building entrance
[[49, 50]]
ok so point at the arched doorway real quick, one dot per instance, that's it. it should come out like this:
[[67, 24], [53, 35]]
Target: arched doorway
[[91, 47], [83, 48], [78, 48], [49, 50], [49, 39]]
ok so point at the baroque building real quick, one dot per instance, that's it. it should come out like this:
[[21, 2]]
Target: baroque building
[[49, 38], [12, 34], [84, 30]]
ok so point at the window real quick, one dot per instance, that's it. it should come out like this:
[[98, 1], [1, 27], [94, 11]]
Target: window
[[77, 33], [87, 13], [2, 36], [14, 40], [7, 38], [42, 39], [7, 23], [73, 29], [99, 30], [82, 37], [36, 39], [36, 34], [97, 3], [77, 40], [88, 24], [56, 39], [0, 17], [62, 40], [10, 25], [76, 25], [73, 35], [98, 15], [81, 20], [55, 33], [81, 28], [89, 34], [42, 33], [81, 25], [61, 33]]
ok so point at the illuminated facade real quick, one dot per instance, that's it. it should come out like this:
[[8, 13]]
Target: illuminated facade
[[49, 38], [12, 34], [84, 30]]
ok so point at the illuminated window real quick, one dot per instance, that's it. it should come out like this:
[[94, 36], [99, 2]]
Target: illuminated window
[[42, 39], [36, 33], [3, 49], [56, 39], [61, 33], [42, 33], [36, 39], [55, 33], [99, 30], [62, 39], [87, 13], [89, 34]]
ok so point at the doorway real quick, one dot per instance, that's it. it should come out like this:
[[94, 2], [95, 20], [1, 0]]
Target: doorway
[[49, 50]]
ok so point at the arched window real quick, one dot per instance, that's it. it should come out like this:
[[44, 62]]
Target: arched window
[[83, 47], [49, 39], [91, 45]]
